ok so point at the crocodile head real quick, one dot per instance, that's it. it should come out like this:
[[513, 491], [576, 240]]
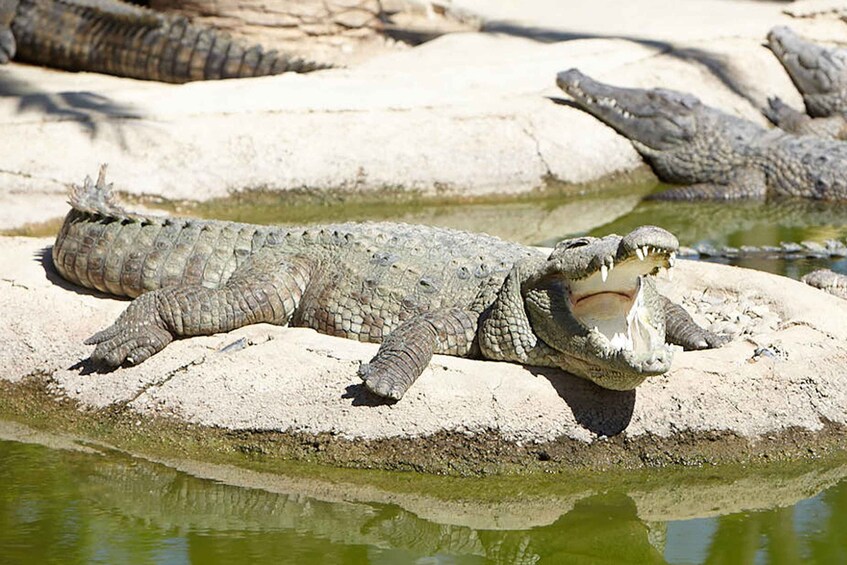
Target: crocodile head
[[819, 73], [654, 120], [594, 302]]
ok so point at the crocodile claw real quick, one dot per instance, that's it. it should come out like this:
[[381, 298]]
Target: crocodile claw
[[382, 382], [135, 336], [704, 339]]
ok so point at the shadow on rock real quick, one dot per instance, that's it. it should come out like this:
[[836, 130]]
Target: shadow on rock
[[45, 257], [361, 396], [88, 367], [601, 411], [88, 109], [719, 65]]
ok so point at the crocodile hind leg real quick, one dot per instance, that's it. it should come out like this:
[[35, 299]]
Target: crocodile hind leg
[[407, 350], [744, 183], [681, 329], [266, 289], [787, 118]]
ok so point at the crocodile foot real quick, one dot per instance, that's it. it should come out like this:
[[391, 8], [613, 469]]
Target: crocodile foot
[[135, 336], [382, 381], [704, 339]]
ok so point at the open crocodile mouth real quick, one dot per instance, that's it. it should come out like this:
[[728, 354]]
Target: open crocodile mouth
[[611, 301]]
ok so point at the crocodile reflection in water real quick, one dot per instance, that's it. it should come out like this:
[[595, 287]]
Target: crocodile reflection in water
[[75, 494]]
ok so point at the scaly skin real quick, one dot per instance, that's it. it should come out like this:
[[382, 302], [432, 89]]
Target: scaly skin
[[828, 281], [824, 279], [820, 74], [830, 249], [718, 156], [113, 37], [417, 290]]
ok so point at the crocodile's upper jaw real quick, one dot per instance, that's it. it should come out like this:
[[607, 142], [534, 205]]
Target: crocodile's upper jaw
[[659, 119]]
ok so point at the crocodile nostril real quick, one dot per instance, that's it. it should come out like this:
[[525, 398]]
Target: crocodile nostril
[[575, 243]]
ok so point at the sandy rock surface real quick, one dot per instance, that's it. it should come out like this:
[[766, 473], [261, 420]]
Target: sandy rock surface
[[467, 114], [295, 381]]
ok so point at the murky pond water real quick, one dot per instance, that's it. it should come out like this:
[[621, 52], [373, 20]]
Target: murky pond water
[[95, 506], [71, 506]]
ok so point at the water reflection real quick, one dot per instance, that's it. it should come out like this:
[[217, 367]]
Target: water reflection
[[77, 507]]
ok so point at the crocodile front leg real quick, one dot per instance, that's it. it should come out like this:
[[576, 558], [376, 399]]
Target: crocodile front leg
[[681, 329], [266, 289], [787, 118], [406, 352], [744, 183]]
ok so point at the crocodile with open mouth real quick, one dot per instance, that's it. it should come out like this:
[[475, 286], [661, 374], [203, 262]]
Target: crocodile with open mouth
[[820, 74], [718, 156], [589, 307]]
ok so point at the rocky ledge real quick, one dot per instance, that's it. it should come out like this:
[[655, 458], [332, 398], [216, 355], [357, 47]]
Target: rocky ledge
[[467, 115], [777, 391]]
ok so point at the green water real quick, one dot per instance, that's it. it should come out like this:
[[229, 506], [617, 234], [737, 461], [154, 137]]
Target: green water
[[84, 506], [70, 506]]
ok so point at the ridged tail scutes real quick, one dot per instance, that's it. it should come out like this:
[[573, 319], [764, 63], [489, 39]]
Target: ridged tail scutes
[[103, 246], [113, 37], [98, 198]]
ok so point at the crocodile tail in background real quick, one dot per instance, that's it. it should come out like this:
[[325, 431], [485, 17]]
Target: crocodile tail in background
[[113, 37]]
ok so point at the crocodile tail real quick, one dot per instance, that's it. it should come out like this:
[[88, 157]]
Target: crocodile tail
[[112, 37], [102, 246]]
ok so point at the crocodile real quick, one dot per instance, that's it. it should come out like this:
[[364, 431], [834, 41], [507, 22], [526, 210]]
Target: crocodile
[[820, 74], [786, 250], [718, 156], [823, 279], [114, 37], [589, 307], [828, 281]]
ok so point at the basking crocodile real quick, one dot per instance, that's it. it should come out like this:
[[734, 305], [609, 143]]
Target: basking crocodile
[[110, 36], [820, 74], [589, 307], [717, 155], [823, 279], [829, 281], [830, 249]]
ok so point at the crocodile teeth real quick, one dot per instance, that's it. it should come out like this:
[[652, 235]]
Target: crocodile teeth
[[621, 341], [639, 253], [672, 259], [618, 341], [645, 250], [604, 272]]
